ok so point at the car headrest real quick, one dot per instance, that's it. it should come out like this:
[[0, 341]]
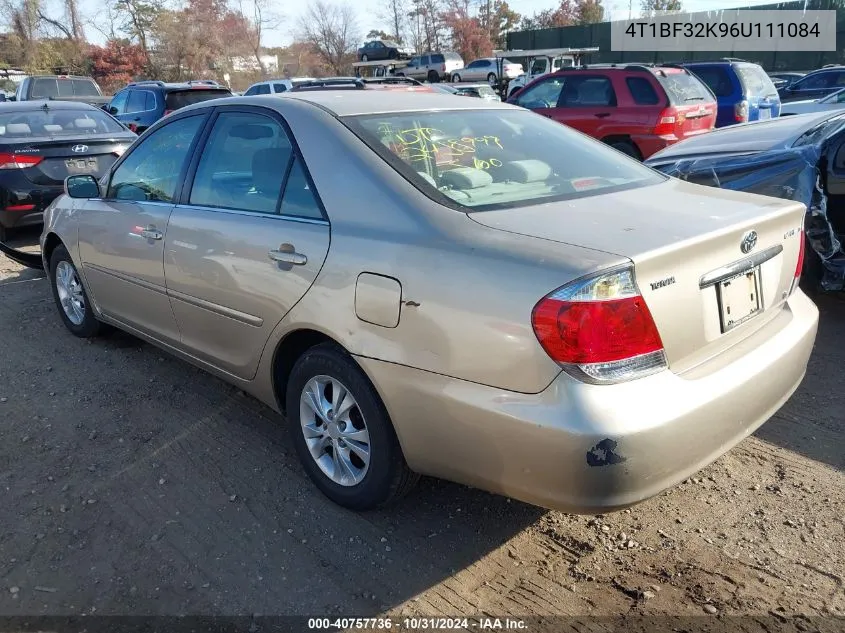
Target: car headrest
[[526, 171], [427, 178], [50, 127], [466, 178], [84, 124], [18, 128], [268, 169]]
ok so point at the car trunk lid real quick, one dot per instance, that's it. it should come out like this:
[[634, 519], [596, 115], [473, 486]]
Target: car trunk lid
[[685, 241], [50, 161], [692, 110]]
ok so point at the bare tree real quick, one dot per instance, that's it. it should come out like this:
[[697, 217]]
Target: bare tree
[[261, 19], [139, 18], [395, 13], [332, 31]]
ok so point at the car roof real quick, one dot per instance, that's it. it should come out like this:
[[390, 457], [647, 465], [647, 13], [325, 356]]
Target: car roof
[[353, 102], [38, 104], [758, 136]]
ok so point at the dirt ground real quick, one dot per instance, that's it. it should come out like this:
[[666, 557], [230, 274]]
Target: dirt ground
[[132, 483]]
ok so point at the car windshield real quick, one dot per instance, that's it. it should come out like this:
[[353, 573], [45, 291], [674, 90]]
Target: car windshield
[[683, 87], [50, 122], [476, 160], [181, 98], [755, 80]]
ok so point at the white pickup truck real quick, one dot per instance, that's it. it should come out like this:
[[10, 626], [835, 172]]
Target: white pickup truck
[[542, 62]]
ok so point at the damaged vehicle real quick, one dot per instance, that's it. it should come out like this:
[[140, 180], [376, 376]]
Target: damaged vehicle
[[799, 158], [576, 334]]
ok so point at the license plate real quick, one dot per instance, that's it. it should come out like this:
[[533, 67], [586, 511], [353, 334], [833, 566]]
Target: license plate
[[739, 299], [82, 165], [765, 113]]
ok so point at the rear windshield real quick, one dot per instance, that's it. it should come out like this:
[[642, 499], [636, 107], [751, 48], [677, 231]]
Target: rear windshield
[[716, 78], [683, 88], [755, 81], [451, 56], [55, 88], [475, 160], [181, 98], [16, 125]]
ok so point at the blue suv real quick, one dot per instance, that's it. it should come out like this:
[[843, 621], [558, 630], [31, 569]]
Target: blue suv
[[142, 103], [744, 92]]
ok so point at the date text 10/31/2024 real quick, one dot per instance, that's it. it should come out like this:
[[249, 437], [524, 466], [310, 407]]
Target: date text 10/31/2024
[[417, 624]]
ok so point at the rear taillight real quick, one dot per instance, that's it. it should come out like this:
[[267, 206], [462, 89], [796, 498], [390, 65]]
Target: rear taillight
[[666, 122], [18, 161], [741, 112], [20, 207], [799, 265], [600, 329]]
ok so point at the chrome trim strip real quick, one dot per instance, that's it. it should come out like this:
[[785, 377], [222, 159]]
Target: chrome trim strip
[[255, 214], [739, 267], [230, 313], [132, 280]]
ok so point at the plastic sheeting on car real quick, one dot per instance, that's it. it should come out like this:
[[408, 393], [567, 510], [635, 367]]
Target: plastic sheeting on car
[[791, 174]]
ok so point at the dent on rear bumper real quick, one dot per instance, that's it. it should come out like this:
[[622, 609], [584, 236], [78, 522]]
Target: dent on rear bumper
[[586, 448]]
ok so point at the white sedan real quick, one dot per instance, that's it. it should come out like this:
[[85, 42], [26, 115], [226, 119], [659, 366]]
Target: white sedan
[[487, 69], [833, 101]]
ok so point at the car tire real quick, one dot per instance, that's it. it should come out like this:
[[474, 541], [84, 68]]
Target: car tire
[[364, 58], [456, 78], [433, 77], [813, 269], [321, 381], [627, 148], [71, 297], [491, 79]]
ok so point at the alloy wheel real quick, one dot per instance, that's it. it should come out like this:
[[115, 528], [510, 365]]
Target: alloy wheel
[[70, 293], [335, 430]]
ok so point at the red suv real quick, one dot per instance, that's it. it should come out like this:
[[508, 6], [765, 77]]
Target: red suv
[[638, 109]]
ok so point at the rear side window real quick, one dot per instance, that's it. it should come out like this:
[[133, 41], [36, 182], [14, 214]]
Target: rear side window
[[279, 87], [755, 81], [586, 92], [815, 82], [181, 98], [716, 78], [683, 87], [243, 164], [437, 59], [642, 91], [137, 101]]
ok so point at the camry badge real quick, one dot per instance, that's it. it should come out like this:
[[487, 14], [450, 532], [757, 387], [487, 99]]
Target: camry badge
[[749, 241], [79, 148]]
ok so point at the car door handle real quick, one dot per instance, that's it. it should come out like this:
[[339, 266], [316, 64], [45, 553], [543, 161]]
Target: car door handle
[[288, 257], [602, 115], [151, 233]]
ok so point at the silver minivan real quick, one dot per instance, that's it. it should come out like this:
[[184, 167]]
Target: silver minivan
[[432, 66]]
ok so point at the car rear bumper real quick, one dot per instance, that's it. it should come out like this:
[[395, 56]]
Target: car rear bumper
[[20, 194], [590, 449]]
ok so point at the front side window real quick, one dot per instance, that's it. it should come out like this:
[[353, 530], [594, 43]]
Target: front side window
[[243, 164], [118, 104], [815, 82], [475, 160], [137, 101], [716, 78], [544, 94], [151, 171]]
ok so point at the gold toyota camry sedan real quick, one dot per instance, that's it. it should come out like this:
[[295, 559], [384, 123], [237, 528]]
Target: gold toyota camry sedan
[[429, 284]]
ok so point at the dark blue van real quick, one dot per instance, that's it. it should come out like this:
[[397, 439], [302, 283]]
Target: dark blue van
[[744, 92]]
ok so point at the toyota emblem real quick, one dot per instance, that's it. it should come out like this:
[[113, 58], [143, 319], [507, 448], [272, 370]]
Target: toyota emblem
[[79, 148], [749, 241]]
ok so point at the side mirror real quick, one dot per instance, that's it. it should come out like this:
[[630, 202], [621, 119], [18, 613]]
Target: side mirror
[[82, 186]]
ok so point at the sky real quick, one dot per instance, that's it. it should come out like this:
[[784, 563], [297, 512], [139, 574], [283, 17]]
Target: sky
[[369, 10]]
